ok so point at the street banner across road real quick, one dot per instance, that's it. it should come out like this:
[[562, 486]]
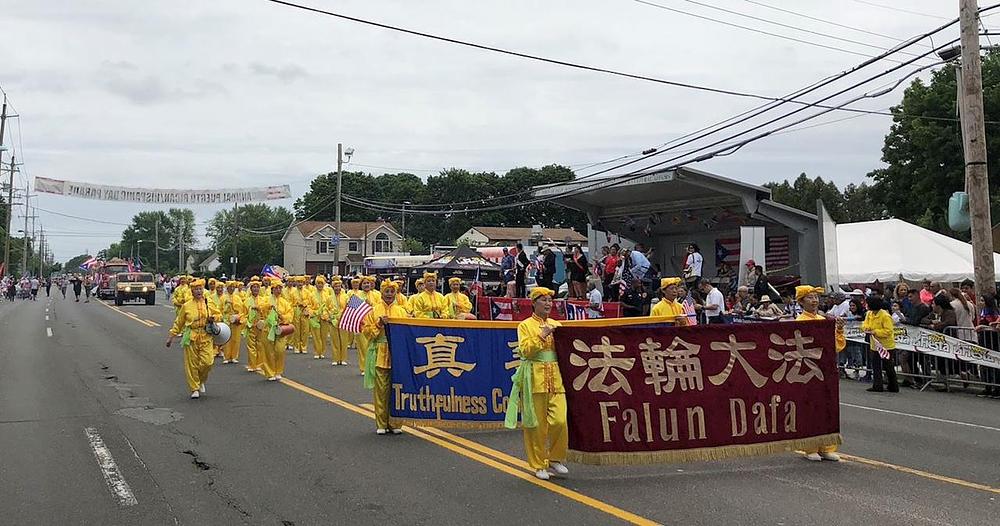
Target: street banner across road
[[457, 373], [925, 341], [639, 395], [160, 195]]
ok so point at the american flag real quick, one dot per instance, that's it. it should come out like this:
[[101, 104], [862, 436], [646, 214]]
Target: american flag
[[879, 348], [776, 252], [354, 313], [727, 251], [575, 312], [501, 309]]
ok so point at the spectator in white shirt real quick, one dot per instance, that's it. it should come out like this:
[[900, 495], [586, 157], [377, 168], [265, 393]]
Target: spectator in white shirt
[[715, 303], [595, 299], [693, 264], [843, 306]]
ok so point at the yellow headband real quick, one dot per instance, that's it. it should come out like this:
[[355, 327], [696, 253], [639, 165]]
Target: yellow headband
[[197, 283], [388, 284], [538, 292], [430, 275], [666, 282], [804, 290], [320, 279], [454, 281], [419, 283], [369, 279]]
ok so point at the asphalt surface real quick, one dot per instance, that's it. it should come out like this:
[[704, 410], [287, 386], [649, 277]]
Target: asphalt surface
[[305, 452]]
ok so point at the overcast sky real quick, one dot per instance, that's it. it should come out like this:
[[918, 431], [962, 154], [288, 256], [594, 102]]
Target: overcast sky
[[197, 94]]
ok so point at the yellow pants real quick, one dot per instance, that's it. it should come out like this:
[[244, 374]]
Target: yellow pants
[[274, 355], [198, 360], [823, 449], [231, 351], [549, 440], [361, 343], [300, 337], [253, 353], [341, 340], [320, 335], [381, 395]]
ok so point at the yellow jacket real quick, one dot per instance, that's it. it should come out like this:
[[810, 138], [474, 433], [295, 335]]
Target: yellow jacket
[[182, 294], [263, 304], [403, 301], [375, 332], [216, 301], [882, 327], [320, 303], [234, 305], [194, 315], [430, 305], [545, 377], [840, 341], [458, 303], [286, 313], [671, 309], [339, 301]]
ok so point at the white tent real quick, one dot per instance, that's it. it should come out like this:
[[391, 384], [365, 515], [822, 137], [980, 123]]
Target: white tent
[[885, 249]]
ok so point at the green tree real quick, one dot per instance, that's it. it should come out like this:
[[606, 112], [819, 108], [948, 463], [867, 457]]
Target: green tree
[[254, 248], [923, 149], [138, 239], [856, 203]]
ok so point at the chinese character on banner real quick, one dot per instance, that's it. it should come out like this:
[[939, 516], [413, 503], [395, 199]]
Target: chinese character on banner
[[441, 351], [735, 348], [605, 363], [682, 366], [799, 356], [513, 364]]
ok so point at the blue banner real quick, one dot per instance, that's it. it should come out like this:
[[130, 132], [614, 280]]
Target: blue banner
[[451, 374]]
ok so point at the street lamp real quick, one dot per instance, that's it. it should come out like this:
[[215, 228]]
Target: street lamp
[[340, 179]]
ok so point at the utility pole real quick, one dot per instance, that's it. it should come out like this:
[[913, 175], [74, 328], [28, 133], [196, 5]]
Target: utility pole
[[41, 250], [180, 248], [340, 180], [236, 237], [10, 212], [156, 246], [27, 214], [974, 137]]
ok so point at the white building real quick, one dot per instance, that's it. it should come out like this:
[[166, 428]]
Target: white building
[[310, 245], [502, 236]]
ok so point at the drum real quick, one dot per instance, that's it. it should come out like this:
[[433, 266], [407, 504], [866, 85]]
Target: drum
[[285, 330]]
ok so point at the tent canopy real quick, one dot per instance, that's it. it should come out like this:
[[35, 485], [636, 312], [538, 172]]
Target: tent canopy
[[463, 262], [882, 250]]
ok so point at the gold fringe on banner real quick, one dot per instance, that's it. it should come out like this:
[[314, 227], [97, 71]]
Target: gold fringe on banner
[[445, 424], [620, 458]]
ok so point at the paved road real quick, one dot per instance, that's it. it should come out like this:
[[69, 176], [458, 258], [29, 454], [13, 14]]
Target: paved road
[[304, 452]]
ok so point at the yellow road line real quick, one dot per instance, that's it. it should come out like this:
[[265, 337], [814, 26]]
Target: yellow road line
[[920, 473], [482, 459], [130, 315]]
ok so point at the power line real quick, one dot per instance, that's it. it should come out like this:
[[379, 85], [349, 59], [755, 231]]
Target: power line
[[824, 21], [901, 10], [766, 21]]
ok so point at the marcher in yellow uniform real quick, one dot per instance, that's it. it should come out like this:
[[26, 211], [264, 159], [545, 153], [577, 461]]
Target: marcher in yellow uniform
[[235, 314], [459, 305], [255, 309], [808, 298], [216, 294], [401, 298], [341, 338], [182, 294], [668, 305], [430, 303], [538, 390], [319, 303], [279, 312], [198, 349], [302, 332], [379, 360], [368, 294]]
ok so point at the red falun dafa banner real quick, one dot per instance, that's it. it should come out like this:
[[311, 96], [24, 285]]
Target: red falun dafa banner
[[639, 395]]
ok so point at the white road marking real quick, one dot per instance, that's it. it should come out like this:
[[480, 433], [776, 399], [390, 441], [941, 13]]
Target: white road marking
[[48, 331], [116, 482], [46, 317], [922, 417]]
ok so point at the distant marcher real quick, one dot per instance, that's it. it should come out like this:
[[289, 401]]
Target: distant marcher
[[35, 284], [48, 286], [77, 285]]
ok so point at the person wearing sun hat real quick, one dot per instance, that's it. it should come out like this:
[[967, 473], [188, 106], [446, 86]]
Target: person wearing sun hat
[[279, 312], [234, 313], [538, 390], [378, 363], [808, 297], [459, 305], [257, 304], [430, 303], [668, 305], [189, 325]]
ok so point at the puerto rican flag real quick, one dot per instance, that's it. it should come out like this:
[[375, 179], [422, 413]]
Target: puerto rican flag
[[776, 252], [727, 250], [501, 309], [269, 272], [575, 312]]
